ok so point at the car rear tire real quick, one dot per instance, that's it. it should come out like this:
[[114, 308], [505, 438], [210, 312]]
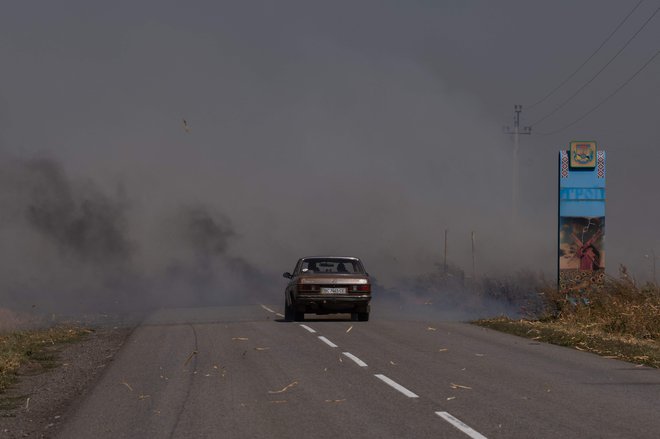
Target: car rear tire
[[363, 316], [288, 312]]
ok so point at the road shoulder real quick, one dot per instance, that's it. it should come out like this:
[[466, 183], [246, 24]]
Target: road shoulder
[[43, 400]]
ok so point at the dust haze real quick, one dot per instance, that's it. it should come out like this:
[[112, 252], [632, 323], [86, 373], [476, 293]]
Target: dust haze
[[351, 128]]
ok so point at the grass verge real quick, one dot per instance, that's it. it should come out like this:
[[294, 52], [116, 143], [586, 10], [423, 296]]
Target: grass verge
[[617, 319], [32, 352], [639, 351]]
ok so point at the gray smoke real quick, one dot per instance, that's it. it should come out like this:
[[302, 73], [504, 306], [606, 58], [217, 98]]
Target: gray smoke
[[355, 128], [209, 235], [81, 221], [69, 248], [202, 269], [65, 243]]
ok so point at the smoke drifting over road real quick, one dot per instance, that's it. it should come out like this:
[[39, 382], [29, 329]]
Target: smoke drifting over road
[[204, 268], [311, 128], [63, 241], [69, 249]]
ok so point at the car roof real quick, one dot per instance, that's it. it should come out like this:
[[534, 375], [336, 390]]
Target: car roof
[[330, 257]]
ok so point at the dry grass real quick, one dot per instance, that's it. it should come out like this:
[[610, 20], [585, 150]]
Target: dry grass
[[618, 319], [619, 308], [36, 350]]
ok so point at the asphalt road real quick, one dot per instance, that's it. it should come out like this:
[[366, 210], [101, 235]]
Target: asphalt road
[[241, 372]]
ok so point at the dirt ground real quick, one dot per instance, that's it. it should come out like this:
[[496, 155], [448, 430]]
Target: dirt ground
[[36, 405]]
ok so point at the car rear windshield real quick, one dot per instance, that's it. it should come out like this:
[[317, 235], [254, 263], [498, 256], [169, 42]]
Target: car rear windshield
[[334, 265]]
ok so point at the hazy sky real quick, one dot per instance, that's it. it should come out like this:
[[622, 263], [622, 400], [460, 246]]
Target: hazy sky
[[346, 127]]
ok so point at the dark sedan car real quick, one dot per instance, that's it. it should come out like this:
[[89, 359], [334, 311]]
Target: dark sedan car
[[327, 285]]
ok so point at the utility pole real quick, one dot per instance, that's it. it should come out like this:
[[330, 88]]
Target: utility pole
[[653, 259], [515, 133], [445, 253], [474, 260]]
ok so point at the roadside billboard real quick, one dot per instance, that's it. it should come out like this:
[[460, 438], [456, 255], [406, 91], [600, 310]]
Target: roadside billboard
[[581, 251]]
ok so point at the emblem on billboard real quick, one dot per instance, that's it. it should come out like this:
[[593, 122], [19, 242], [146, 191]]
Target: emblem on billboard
[[583, 155]]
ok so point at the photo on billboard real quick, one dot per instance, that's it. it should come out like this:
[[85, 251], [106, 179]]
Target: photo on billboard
[[581, 252], [581, 243]]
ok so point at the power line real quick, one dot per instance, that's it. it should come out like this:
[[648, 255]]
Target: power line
[[529, 107], [597, 106], [599, 71]]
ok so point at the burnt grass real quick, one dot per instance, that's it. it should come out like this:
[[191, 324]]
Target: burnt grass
[[617, 319], [32, 352]]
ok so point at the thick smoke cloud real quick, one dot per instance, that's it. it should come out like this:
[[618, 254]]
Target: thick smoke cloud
[[97, 260], [65, 242], [92, 262], [347, 127], [89, 225]]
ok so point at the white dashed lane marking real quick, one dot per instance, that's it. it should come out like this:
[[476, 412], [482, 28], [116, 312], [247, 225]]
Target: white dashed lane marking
[[356, 359], [308, 328], [461, 425], [396, 385], [457, 423], [271, 311], [326, 341]]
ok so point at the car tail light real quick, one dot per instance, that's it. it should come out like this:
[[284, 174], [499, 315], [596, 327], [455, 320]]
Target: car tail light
[[365, 288], [308, 288]]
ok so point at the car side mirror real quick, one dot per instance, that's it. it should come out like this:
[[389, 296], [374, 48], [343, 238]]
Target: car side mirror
[[287, 275]]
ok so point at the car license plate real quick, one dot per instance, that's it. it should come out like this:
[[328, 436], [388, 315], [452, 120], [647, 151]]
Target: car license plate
[[333, 290]]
